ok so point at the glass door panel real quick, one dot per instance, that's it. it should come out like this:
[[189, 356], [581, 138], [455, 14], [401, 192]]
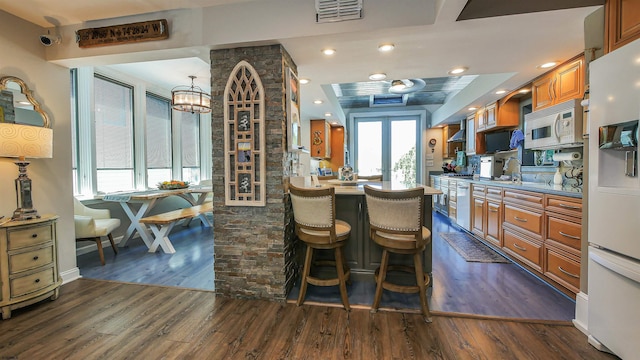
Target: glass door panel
[[403, 152], [369, 150]]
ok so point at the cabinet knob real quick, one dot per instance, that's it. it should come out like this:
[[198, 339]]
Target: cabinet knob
[[34, 235], [36, 258]]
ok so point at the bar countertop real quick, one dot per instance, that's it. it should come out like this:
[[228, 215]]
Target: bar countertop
[[357, 188]]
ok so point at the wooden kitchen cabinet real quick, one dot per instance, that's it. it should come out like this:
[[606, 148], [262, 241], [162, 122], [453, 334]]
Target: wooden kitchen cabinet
[[478, 210], [320, 139], [499, 115], [563, 240], [563, 83], [449, 149], [493, 208], [622, 23], [523, 248], [28, 263]]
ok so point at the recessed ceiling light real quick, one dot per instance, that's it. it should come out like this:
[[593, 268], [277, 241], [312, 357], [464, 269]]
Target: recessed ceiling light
[[500, 92], [377, 76], [24, 103], [386, 47], [328, 51], [547, 65], [318, 101], [472, 108], [327, 114], [304, 81], [334, 123], [458, 70]]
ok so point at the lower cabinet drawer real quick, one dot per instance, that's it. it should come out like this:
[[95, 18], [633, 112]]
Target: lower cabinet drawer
[[31, 283], [527, 220], [562, 268], [30, 259], [528, 251], [564, 232]]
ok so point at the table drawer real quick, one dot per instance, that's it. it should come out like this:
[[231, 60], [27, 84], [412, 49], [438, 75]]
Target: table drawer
[[30, 259], [24, 285], [524, 219], [528, 251], [29, 236], [563, 268], [564, 232]]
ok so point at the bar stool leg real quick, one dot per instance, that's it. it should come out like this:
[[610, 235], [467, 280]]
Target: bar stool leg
[[380, 279], [341, 278], [424, 305], [305, 273]]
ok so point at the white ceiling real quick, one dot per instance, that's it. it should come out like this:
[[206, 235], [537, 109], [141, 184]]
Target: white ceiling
[[504, 51]]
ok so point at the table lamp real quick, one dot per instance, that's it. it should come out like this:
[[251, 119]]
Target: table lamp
[[25, 141]]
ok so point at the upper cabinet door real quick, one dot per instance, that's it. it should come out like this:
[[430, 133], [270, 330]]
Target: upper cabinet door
[[563, 83], [622, 23], [542, 92], [570, 81]]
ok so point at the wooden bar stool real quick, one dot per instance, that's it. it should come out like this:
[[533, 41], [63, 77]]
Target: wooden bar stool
[[396, 224], [314, 211]]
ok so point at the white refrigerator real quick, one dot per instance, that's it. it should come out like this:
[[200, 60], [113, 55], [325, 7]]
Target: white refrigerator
[[614, 206]]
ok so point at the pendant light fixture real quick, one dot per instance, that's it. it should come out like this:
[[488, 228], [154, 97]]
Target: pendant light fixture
[[190, 99]]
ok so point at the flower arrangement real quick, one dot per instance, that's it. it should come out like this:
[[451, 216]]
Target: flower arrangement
[[173, 184]]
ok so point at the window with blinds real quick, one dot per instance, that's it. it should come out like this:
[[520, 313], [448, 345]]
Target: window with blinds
[[113, 135], [190, 146], [158, 140]]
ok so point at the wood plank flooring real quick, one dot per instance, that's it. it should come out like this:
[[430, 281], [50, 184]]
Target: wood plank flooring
[[98, 319], [501, 290]]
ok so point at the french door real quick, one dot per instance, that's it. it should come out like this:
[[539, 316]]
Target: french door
[[389, 145]]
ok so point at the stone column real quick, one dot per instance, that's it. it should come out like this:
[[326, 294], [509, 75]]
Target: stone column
[[253, 245]]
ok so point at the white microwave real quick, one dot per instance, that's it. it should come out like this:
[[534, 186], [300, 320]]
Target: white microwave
[[555, 127]]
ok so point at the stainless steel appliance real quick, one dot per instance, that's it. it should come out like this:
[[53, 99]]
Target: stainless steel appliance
[[555, 127], [614, 204], [463, 192], [490, 167]]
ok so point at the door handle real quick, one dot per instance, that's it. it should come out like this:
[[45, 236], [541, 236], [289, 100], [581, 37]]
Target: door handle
[[519, 247], [569, 236], [568, 273]]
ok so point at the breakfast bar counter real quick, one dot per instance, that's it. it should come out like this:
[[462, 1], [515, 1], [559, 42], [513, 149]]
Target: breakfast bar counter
[[362, 254]]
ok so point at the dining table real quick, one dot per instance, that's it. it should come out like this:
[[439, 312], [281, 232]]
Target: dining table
[[148, 199]]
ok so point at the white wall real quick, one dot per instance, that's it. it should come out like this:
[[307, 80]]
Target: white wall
[[23, 56]]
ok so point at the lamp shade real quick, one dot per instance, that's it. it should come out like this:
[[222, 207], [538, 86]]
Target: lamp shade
[[25, 141], [190, 99]]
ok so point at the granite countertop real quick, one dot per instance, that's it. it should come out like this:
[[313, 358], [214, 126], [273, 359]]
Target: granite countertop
[[565, 190], [358, 188]]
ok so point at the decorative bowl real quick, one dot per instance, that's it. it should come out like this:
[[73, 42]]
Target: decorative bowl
[[173, 184]]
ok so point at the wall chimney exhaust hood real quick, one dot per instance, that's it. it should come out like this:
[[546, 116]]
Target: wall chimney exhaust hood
[[461, 134]]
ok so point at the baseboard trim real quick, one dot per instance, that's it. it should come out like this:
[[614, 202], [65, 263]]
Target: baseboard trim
[[70, 275], [581, 322]]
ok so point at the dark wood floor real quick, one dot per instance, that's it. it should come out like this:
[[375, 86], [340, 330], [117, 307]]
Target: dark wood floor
[[501, 290], [98, 319]]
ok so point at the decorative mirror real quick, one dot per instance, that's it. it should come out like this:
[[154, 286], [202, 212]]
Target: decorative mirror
[[17, 104]]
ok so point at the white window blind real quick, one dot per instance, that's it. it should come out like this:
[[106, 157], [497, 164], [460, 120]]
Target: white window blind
[[190, 136], [114, 135]]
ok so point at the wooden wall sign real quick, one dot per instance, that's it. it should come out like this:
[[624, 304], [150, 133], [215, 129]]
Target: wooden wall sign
[[123, 34]]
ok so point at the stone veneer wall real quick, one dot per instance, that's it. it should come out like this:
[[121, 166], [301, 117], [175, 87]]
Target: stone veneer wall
[[254, 248]]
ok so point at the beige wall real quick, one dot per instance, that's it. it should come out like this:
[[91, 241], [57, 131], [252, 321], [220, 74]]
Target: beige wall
[[23, 56]]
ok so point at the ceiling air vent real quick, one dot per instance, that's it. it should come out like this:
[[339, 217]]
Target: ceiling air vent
[[338, 10], [388, 100]]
